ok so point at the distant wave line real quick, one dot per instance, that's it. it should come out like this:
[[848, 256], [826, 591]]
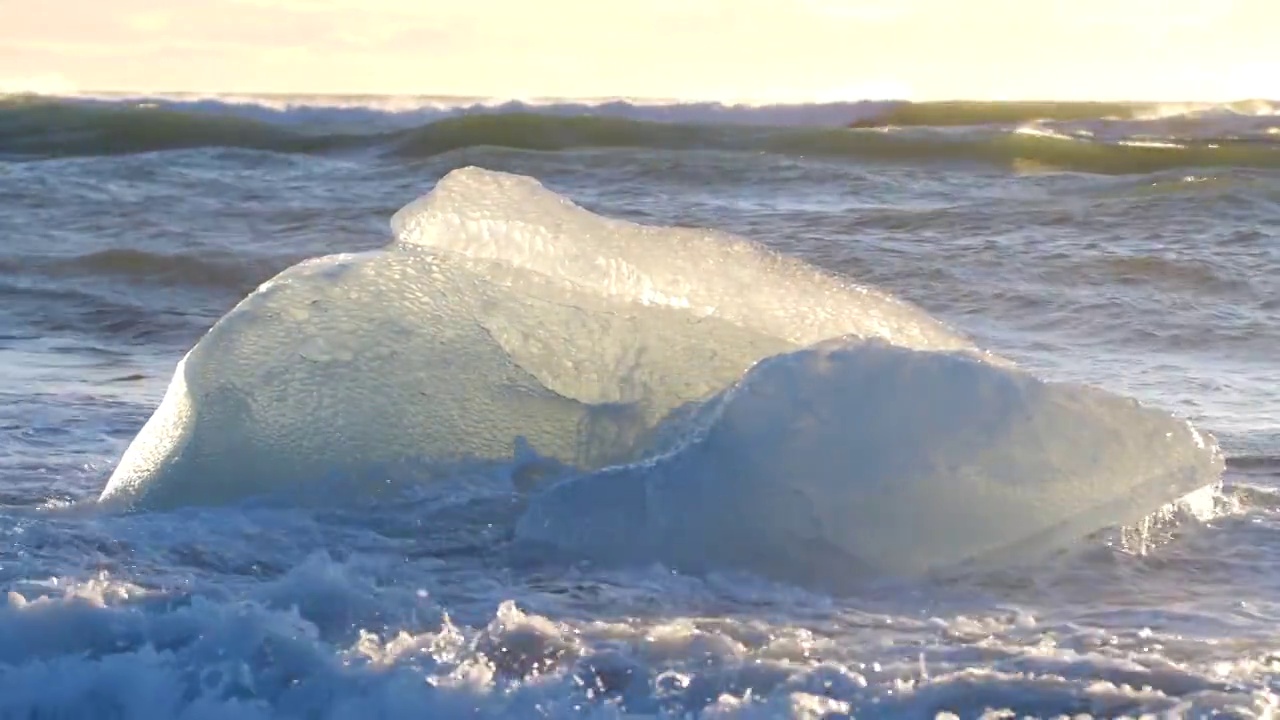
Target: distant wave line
[[1018, 135]]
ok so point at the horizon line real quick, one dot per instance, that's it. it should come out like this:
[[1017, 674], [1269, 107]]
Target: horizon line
[[215, 94]]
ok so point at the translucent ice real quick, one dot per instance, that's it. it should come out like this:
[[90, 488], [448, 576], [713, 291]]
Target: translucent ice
[[707, 273], [349, 363], [857, 456], [501, 310], [713, 404]]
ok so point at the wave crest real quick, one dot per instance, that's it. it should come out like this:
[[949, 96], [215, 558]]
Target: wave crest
[[36, 126], [1087, 137]]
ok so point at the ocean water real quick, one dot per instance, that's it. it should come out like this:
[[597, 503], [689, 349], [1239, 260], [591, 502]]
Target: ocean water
[[1135, 248]]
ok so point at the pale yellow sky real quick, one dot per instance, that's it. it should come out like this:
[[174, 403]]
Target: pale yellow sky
[[780, 50]]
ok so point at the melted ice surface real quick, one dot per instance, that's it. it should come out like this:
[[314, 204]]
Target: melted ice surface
[[515, 219], [721, 404], [347, 363], [861, 456], [501, 311]]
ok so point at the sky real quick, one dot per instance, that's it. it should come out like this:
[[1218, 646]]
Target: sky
[[733, 50]]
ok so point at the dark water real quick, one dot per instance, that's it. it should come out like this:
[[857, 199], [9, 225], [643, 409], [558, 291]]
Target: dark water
[[1137, 248]]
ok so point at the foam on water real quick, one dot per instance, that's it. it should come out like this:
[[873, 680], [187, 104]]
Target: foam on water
[[328, 640], [778, 419]]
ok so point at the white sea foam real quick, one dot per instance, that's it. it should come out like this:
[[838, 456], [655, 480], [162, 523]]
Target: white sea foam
[[324, 640]]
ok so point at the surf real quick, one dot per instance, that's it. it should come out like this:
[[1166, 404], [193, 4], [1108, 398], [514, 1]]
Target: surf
[[698, 399], [1113, 139]]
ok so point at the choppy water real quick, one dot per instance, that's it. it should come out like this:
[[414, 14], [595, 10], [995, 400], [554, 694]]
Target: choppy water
[[1135, 248]]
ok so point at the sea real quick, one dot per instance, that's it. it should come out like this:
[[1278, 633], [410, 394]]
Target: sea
[[1133, 247]]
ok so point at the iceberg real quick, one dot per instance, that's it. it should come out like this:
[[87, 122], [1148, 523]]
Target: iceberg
[[516, 220], [500, 310], [855, 457], [350, 363], [712, 403]]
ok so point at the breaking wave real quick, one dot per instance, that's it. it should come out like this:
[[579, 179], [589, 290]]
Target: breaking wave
[[1079, 137]]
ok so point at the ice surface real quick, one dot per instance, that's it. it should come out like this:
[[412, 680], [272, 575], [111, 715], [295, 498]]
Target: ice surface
[[707, 273], [858, 456], [502, 311], [348, 363], [725, 406]]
